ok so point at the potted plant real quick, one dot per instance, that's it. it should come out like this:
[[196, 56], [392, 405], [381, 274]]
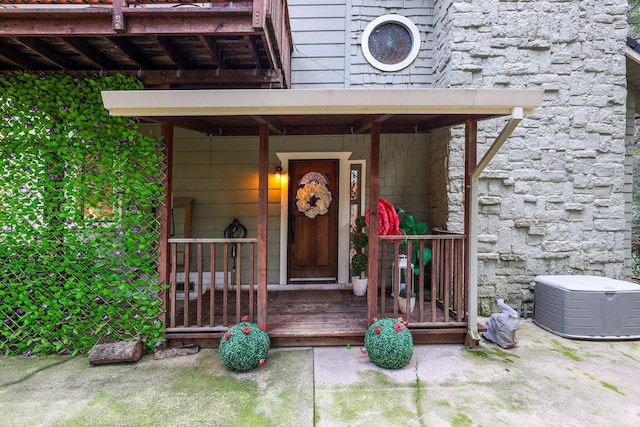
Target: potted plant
[[244, 346], [402, 301], [410, 227], [360, 260], [389, 343]]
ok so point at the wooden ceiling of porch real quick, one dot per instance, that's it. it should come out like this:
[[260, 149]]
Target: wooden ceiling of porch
[[165, 43], [318, 124]]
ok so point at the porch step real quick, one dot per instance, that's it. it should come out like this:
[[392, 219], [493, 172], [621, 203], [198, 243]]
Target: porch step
[[289, 339], [315, 317]]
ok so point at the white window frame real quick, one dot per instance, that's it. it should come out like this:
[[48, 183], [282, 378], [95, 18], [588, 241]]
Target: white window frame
[[400, 20]]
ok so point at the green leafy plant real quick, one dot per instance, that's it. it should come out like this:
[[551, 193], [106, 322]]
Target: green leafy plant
[[410, 227], [78, 233], [360, 260], [244, 346], [403, 293], [389, 343]]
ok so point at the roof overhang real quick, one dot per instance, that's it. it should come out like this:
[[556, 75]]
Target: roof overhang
[[152, 103], [319, 112], [633, 70]]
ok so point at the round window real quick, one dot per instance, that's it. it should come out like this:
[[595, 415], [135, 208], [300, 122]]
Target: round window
[[390, 42]]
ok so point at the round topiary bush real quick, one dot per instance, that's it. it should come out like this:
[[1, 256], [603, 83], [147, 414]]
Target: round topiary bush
[[388, 343], [244, 346]]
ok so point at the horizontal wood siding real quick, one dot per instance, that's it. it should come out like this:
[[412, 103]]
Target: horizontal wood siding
[[319, 38], [221, 175], [405, 173], [327, 42]]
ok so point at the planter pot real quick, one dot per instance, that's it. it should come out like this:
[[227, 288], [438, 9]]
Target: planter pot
[[359, 286], [402, 303]]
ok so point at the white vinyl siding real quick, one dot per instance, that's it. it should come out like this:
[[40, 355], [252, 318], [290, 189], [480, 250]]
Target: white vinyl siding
[[327, 44], [319, 39]]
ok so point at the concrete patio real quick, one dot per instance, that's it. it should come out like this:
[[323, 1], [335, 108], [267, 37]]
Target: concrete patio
[[544, 380]]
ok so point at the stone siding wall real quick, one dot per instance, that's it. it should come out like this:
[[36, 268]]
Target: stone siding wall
[[553, 200]]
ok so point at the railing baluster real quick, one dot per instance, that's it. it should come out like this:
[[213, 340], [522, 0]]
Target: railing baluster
[[383, 279], [200, 287], [446, 292], [435, 278], [408, 280], [460, 279], [238, 282], [225, 287], [185, 299], [212, 288], [421, 281], [396, 278], [251, 284], [173, 248]]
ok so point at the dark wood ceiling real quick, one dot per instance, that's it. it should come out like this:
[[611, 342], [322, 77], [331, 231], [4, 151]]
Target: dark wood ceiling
[[319, 124], [165, 43]]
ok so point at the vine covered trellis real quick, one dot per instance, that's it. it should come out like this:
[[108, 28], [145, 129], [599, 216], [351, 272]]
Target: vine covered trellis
[[79, 191]]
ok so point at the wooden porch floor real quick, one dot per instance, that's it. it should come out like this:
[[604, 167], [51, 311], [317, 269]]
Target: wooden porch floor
[[307, 317]]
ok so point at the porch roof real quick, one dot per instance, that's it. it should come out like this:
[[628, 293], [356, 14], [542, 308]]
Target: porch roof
[[319, 112]]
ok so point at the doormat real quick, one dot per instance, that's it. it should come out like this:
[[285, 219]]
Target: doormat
[[308, 296]]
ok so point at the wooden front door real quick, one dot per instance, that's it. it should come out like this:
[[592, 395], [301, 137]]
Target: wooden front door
[[313, 221]]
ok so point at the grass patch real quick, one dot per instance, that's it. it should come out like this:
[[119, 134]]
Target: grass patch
[[565, 351], [493, 353], [611, 387], [461, 420], [356, 402]]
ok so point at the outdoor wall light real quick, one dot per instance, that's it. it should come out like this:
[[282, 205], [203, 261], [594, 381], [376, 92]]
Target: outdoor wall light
[[278, 172]]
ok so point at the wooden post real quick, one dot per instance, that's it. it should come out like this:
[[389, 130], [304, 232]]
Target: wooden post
[[263, 213], [374, 195], [165, 221], [117, 19], [471, 160]]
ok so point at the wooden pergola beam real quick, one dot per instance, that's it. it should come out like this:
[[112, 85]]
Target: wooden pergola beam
[[89, 53], [177, 56], [50, 22]]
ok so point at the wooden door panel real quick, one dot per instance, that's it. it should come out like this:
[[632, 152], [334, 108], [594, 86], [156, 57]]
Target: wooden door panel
[[313, 242]]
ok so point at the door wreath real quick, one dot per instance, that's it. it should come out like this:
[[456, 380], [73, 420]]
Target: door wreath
[[313, 199]]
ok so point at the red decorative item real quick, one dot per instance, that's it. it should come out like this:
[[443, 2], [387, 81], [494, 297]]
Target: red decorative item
[[376, 329], [246, 330], [374, 319], [388, 221], [245, 318], [262, 361], [263, 326], [398, 327], [362, 350], [227, 336]]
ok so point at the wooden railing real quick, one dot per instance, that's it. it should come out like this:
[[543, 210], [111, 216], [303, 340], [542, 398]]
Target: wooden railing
[[212, 283], [439, 285]]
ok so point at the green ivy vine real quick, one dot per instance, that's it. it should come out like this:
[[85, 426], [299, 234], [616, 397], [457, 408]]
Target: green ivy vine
[[78, 226]]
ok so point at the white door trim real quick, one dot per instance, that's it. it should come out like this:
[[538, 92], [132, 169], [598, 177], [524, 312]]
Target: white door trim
[[343, 208]]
